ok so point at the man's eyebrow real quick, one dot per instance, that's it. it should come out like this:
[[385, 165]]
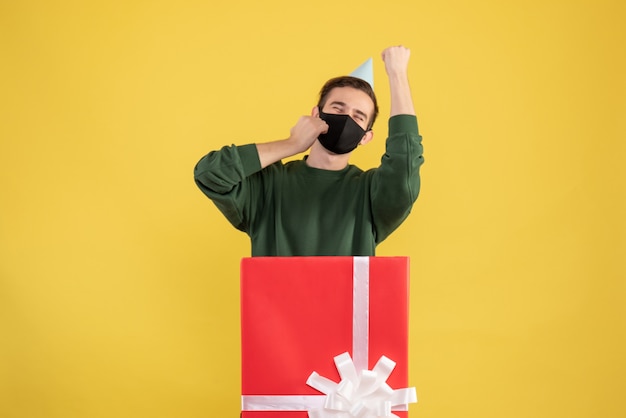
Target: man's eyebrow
[[336, 102], [361, 113], [357, 111]]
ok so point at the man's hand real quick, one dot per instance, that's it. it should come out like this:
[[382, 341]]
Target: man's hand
[[396, 59], [305, 132]]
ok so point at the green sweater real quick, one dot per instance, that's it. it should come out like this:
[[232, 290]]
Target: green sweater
[[292, 209]]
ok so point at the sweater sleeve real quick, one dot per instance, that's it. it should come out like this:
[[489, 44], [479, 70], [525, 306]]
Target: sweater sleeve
[[396, 182], [224, 176]]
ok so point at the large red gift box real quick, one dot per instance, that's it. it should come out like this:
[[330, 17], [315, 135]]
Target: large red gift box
[[299, 313]]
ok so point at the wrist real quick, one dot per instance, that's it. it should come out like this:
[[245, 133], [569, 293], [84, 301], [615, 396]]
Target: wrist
[[295, 145], [398, 77]]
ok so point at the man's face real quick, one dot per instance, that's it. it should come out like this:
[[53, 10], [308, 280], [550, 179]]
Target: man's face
[[350, 101]]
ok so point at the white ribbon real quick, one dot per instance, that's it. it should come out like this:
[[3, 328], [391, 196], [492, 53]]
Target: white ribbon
[[281, 402], [360, 311], [361, 393]]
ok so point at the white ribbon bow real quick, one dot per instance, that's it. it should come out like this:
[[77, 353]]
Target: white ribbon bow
[[363, 395]]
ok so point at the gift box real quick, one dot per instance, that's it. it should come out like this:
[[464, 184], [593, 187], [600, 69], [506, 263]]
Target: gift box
[[317, 333]]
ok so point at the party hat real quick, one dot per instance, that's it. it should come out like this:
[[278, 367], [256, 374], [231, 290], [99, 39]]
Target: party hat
[[365, 72]]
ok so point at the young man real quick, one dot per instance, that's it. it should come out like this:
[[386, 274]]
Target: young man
[[322, 205]]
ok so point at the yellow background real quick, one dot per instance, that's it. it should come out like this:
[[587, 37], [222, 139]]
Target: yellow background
[[119, 279]]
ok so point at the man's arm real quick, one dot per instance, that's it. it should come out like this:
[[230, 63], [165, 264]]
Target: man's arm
[[225, 175], [396, 60], [301, 137], [396, 182]]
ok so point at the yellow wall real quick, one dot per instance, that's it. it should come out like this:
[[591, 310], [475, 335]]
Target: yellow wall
[[119, 280]]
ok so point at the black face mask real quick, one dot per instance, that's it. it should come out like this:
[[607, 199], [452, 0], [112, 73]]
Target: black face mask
[[343, 135]]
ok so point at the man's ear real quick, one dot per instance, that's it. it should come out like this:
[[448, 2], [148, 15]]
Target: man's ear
[[369, 135], [315, 112]]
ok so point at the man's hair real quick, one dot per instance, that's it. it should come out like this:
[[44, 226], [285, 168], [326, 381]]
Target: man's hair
[[348, 81]]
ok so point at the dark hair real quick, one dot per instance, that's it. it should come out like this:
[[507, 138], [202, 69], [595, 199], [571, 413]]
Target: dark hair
[[348, 81]]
